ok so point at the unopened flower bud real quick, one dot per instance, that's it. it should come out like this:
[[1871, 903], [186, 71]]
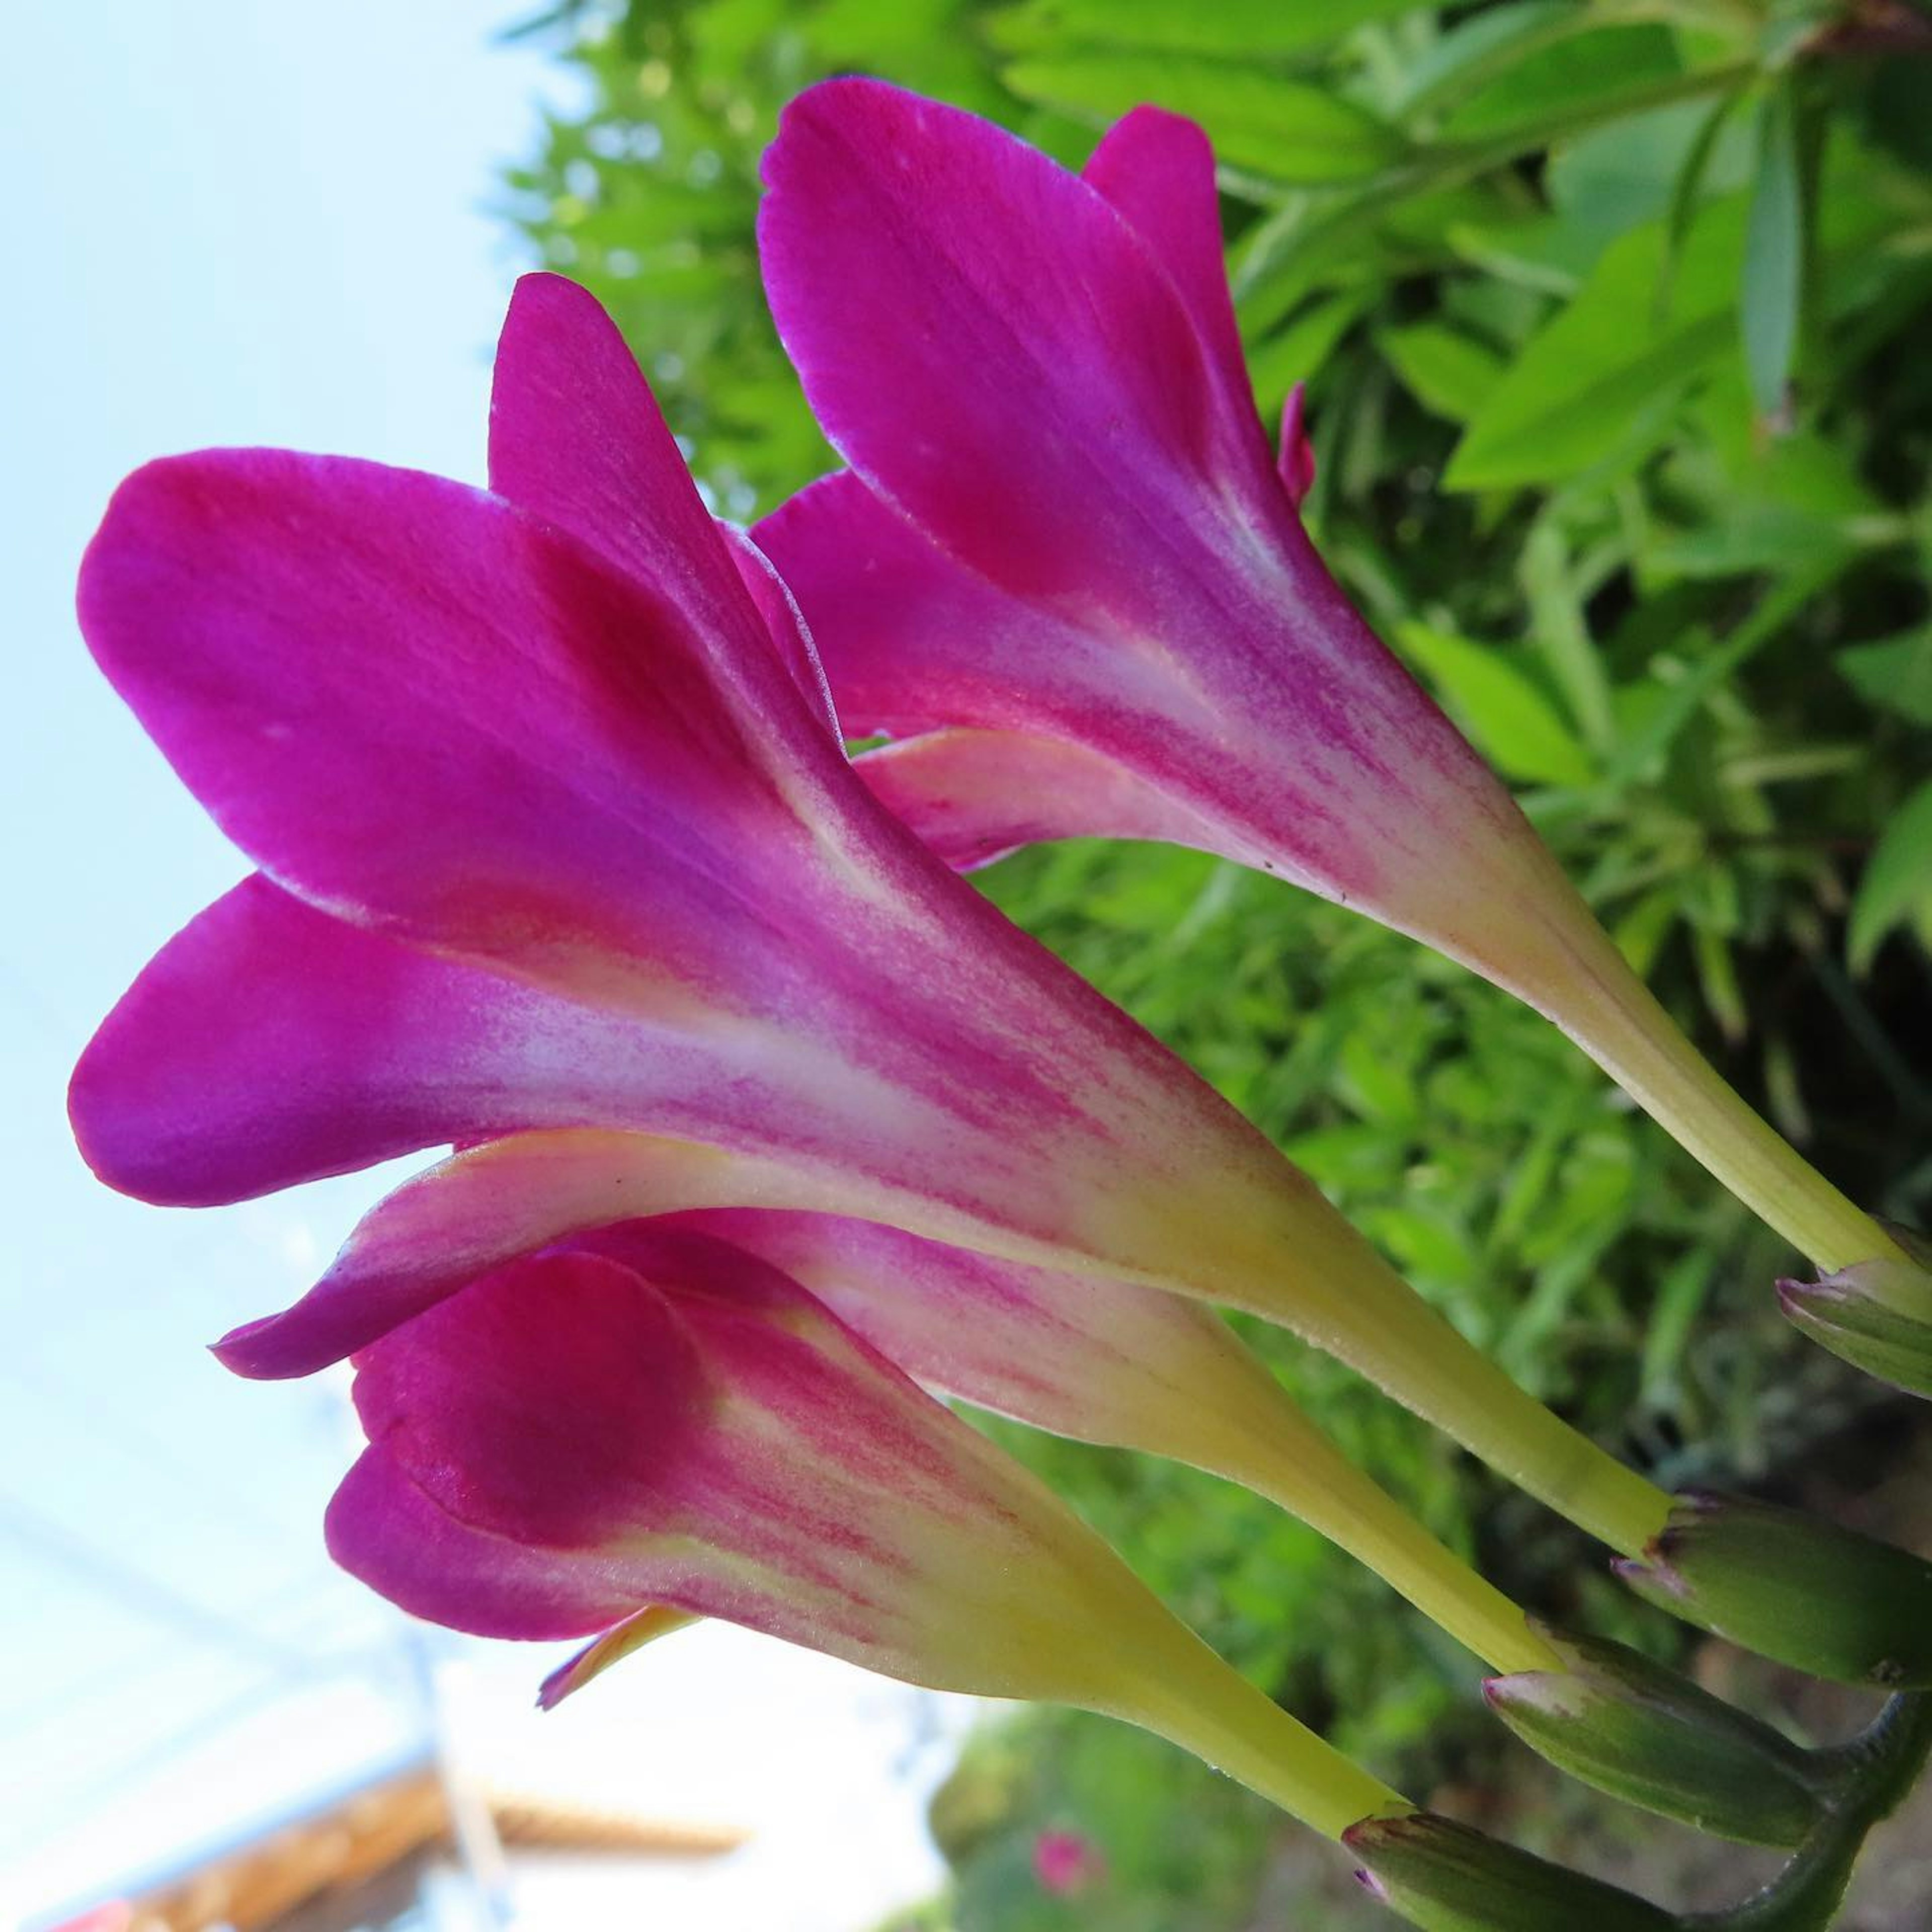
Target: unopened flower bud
[[1808, 1593], [1645, 1734]]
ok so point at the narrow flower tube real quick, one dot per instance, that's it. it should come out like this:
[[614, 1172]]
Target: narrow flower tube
[[569, 1445], [1101, 1361], [563, 862], [1064, 575]]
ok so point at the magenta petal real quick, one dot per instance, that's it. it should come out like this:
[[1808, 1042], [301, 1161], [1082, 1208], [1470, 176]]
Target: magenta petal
[[909, 638], [987, 341], [550, 1401], [1158, 170], [269, 1044], [384, 1530], [411, 702], [573, 1438], [784, 626], [577, 437], [1295, 462], [466, 1218], [973, 796]]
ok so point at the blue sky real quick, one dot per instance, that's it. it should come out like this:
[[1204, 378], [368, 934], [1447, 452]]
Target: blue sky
[[227, 222]]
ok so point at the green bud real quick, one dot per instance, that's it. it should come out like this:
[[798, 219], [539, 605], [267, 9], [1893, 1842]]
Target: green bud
[[1823, 1599], [1877, 1315], [1447, 1878], [1644, 1734]]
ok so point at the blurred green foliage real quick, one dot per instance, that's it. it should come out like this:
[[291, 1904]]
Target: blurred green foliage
[[1613, 316]]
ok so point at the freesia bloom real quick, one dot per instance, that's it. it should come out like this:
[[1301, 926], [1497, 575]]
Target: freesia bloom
[[1065, 575], [563, 862], [1103, 1361], [1067, 1863], [570, 1439]]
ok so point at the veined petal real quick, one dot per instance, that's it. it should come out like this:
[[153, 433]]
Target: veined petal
[[382, 1528], [901, 239], [423, 709], [553, 1401], [476, 1212], [1214, 657], [722, 1445], [269, 1044], [785, 625], [487, 1205], [1158, 170], [577, 437], [1101, 1359], [974, 796], [803, 1487], [910, 638]]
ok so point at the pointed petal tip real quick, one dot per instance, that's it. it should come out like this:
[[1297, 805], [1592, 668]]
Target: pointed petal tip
[[559, 1684], [1295, 464], [1653, 1579], [248, 1351], [646, 1626]]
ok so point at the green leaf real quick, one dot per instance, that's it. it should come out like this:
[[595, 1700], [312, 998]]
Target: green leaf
[[1895, 674], [1614, 178], [1286, 130], [1607, 359], [1249, 29], [1446, 370], [1580, 74], [1640, 933], [1463, 57], [1666, 1335], [1897, 888], [1694, 183], [1752, 537], [1508, 718], [1295, 354], [1774, 263], [1717, 979]]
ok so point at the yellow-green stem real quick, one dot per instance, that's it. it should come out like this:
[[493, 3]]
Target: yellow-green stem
[[1197, 1701], [1369, 1317], [1356, 1515], [1255, 1436], [1615, 1019]]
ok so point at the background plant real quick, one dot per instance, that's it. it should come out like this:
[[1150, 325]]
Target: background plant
[[1612, 314]]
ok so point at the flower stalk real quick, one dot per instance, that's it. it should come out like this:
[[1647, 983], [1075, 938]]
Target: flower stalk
[[1446, 1877], [1592, 994]]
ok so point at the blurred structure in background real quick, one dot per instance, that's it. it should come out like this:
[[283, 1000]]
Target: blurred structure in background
[[412, 1851]]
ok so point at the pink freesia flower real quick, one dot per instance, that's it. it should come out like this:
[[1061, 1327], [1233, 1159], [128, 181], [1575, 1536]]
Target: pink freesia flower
[[571, 1443], [1067, 1863], [563, 863], [1065, 575], [1100, 1360]]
